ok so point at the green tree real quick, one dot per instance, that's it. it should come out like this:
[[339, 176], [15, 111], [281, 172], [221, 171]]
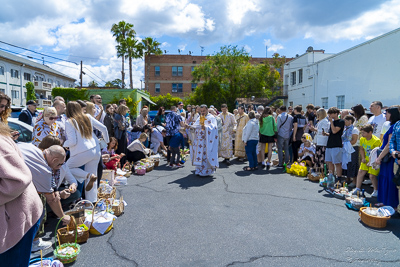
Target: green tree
[[30, 91], [121, 31], [150, 47], [133, 50], [70, 94], [93, 84], [115, 83], [228, 75], [166, 101]]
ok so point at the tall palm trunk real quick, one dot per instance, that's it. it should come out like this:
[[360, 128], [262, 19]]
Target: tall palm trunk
[[130, 72], [123, 73]]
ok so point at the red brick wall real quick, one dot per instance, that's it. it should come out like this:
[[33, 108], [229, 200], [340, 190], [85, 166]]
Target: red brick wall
[[186, 62]]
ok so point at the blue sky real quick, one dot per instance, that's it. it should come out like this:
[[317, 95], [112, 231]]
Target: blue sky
[[78, 30]]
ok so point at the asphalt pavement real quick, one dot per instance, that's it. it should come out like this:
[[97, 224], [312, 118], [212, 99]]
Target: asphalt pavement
[[235, 218]]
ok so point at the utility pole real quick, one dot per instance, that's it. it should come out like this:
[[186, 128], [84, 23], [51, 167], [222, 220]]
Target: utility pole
[[81, 76]]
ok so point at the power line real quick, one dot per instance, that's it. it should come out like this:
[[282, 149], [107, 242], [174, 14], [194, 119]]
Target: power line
[[94, 74], [38, 53], [13, 52]]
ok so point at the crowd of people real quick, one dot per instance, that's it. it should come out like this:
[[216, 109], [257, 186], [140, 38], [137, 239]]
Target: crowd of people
[[73, 142]]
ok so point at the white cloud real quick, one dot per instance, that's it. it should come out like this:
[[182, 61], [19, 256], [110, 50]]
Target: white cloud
[[367, 26], [247, 48], [182, 47], [237, 9], [272, 47]]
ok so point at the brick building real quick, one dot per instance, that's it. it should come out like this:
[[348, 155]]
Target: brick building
[[173, 73]]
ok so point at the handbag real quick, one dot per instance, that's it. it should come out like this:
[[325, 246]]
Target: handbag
[[386, 158]]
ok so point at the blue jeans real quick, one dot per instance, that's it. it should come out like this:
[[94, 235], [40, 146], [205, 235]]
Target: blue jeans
[[251, 152], [19, 255]]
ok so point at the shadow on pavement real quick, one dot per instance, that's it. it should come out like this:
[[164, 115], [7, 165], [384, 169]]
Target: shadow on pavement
[[192, 180]]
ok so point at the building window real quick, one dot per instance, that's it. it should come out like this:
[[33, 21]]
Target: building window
[[50, 81], [2, 90], [300, 75], [194, 85], [340, 102], [1, 70], [279, 70], [291, 104], [177, 87], [58, 83], [293, 78], [156, 70], [27, 76], [14, 94], [14, 74], [324, 102], [193, 68], [177, 71], [157, 87]]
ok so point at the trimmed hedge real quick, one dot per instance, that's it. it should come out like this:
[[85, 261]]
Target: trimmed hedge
[[70, 94]]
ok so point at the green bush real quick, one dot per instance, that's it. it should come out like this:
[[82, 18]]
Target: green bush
[[70, 94], [30, 91], [165, 101]]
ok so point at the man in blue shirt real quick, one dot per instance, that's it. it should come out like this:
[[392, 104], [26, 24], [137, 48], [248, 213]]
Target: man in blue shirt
[[173, 123]]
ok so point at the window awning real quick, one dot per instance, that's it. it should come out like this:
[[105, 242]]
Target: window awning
[[148, 100]]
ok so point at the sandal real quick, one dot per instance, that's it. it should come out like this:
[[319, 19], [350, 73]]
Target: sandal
[[91, 182], [247, 169]]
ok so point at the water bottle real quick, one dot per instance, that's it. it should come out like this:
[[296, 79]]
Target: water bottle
[[330, 183]]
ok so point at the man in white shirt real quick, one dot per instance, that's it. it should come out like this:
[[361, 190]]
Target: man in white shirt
[[157, 138], [378, 119], [99, 114]]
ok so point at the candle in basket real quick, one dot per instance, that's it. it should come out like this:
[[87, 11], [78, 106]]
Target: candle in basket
[[202, 120]]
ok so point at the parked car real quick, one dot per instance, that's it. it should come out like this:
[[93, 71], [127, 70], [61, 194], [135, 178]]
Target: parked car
[[153, 113], [24, 129], [15, 111]]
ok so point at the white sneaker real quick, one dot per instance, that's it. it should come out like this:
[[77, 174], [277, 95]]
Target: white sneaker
[[42, 245], [354, 192], [366, 182], [375, 193]]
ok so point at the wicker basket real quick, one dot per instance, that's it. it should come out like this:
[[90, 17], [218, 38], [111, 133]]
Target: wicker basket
[[66, 258], [92, 230], [150, 168], [101, 195], [78, 212], [64, 235], [372, 221], [315, 178], [118, 210], [156, 163]]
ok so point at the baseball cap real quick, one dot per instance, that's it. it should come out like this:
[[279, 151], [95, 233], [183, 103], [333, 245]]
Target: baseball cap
[[180, 103], [31, 102]]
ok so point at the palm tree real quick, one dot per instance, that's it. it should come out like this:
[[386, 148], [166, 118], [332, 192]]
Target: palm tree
[[150, 47], [133, 49], [120, 32], [93, 84]]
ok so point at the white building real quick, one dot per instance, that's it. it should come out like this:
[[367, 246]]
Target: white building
[[16, 71], [359, 75]]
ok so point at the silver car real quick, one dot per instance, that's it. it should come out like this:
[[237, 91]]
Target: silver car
[[24, 129]]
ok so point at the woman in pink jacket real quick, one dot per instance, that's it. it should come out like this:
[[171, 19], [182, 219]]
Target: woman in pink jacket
[[20, 205]]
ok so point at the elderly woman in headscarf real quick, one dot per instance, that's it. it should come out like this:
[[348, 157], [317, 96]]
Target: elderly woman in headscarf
[[46, 126]]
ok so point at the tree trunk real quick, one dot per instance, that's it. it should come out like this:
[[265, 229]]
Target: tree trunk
[[130, 71], [123, 73]]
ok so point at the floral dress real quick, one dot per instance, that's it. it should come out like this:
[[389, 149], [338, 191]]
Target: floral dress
[[42, 129]]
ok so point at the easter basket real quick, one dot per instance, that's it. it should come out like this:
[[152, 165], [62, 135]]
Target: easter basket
[[67, 234], [371, 220], [102, 194], [297, 169], [99, 215], [118, 209], [68, 252], [79, 212]]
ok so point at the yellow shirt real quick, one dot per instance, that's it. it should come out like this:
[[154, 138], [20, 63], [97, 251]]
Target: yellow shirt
[[369, 145]]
